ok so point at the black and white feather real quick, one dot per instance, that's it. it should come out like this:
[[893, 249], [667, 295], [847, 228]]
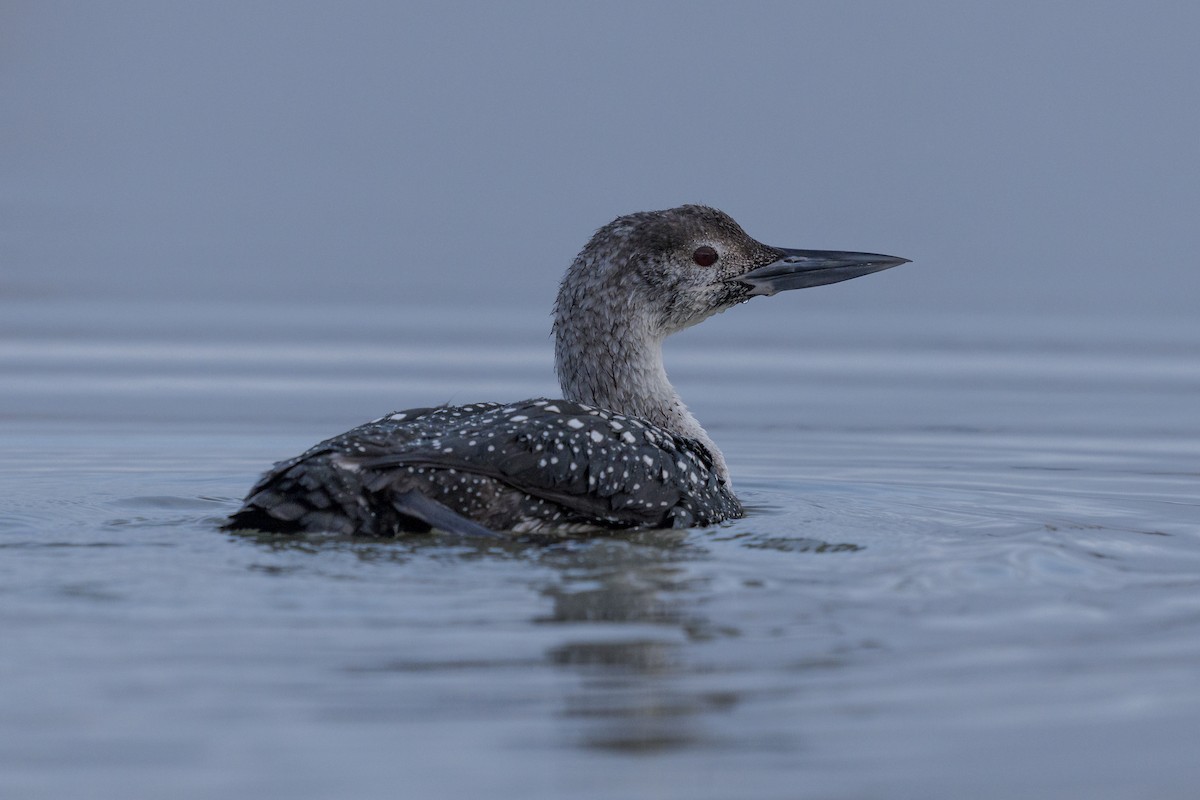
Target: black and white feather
[[534, 466]]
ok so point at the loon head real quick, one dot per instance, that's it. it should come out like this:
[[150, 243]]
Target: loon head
[[645, 276], [667, 270]]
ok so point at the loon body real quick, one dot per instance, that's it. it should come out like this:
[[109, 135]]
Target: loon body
[[620, 450]]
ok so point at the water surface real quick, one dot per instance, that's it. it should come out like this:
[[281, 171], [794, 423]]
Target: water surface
[[970, 568]]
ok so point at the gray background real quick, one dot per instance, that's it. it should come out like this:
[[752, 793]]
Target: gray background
[[971, 564], [1037, 156]]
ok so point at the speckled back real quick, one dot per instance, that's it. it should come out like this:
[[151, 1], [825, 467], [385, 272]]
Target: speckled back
[[527, 466]]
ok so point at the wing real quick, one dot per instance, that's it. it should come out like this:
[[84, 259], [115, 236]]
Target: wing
[[604, 467]]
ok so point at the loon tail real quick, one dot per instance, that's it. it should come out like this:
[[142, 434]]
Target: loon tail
[[413, 512]]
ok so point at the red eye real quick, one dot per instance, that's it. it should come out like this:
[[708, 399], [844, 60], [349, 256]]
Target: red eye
[[705, 256]]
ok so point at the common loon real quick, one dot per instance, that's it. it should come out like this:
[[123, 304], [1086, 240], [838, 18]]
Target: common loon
[[620, 450]]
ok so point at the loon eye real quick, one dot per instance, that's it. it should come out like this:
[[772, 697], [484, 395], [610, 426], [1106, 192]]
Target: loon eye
[[705, 256]]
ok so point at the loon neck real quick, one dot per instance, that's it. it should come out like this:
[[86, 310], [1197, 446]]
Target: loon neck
[[613, 359]]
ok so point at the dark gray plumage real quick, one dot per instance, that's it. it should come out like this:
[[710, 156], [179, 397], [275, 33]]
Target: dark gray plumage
[[620, 451]]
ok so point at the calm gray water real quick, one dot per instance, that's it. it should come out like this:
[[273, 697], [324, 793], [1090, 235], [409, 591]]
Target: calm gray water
[[971, 567]]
